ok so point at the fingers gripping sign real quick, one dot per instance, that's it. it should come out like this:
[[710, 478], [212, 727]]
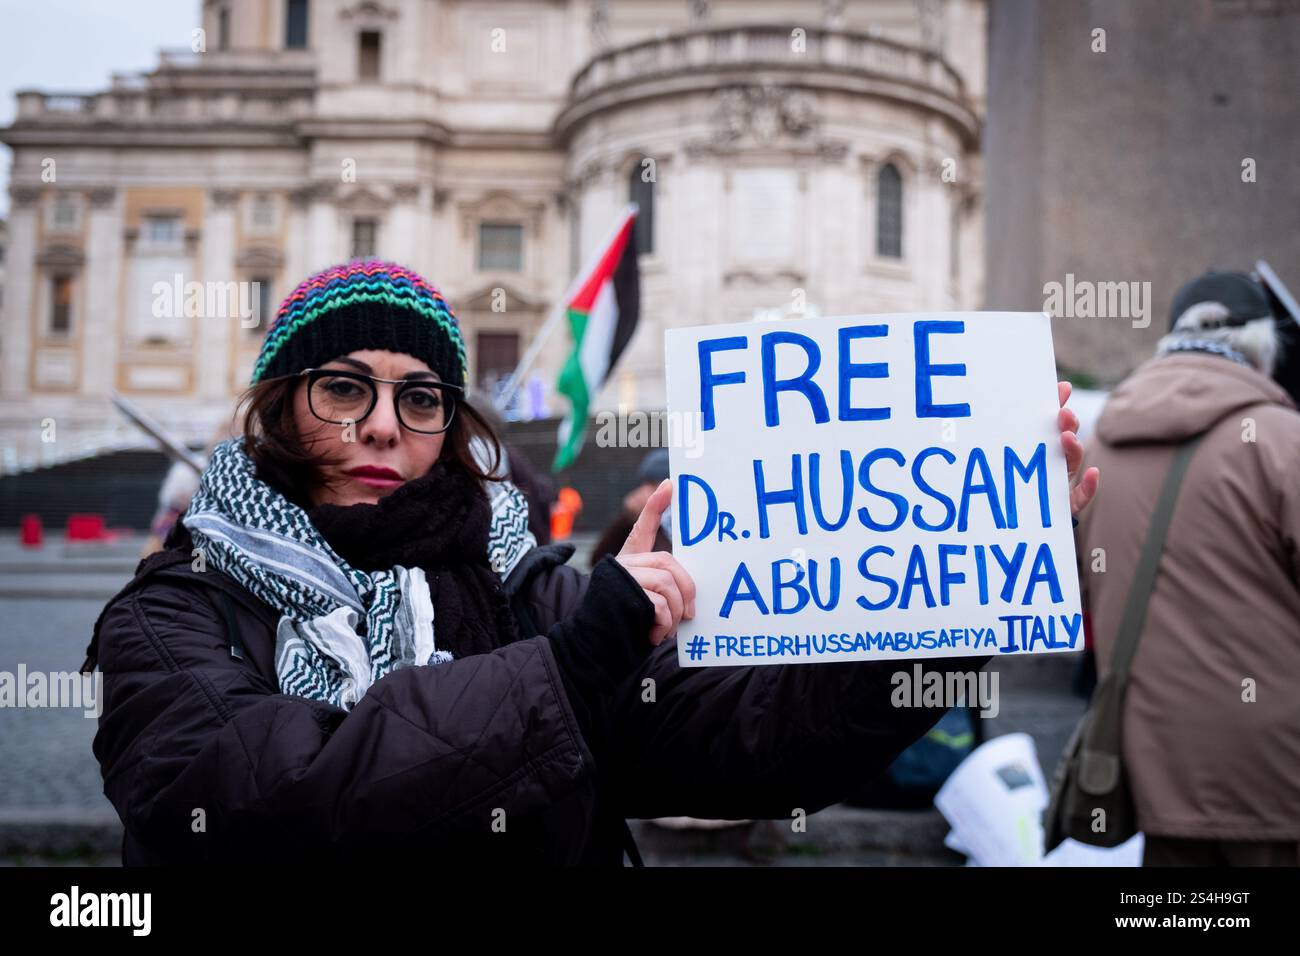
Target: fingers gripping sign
[[663, 579], [1085, 489]]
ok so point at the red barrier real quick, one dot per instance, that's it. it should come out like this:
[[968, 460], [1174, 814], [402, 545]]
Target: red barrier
[[85, 527], [32, 534]]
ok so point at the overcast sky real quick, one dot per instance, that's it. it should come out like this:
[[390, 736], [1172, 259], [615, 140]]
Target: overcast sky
[[73, 46]]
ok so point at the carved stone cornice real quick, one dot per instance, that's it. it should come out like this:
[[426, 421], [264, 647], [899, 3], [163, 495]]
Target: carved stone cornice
[[102, 196], [368, 11], [591, 171], [698, 60], [499, 204], [763, 115], [24, 196], [833, 150], [319, 191], [907, 163], [260, 257], [787, 274], [61, 256], [362, 199], [830, 151], [224, 198], [482, 300]]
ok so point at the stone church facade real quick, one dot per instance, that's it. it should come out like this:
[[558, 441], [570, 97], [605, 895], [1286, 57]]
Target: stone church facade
[[814, 157]]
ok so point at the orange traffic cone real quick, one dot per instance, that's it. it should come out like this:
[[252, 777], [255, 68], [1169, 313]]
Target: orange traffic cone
[[564, 513]]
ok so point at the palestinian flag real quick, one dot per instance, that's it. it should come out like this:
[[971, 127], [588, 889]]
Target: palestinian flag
[[602, 317]]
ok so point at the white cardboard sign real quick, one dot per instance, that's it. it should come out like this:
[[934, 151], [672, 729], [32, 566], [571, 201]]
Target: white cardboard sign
[[871, 487]]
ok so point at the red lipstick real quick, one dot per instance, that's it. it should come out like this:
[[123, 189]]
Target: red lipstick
[[375, 476]]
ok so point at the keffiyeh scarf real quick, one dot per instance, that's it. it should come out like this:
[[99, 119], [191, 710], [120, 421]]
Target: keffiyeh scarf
[[358, 587]]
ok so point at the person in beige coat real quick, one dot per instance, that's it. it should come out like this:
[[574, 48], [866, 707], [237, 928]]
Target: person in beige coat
[[1211, 724]]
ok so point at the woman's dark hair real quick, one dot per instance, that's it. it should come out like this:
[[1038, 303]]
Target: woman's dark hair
[[284, 461]]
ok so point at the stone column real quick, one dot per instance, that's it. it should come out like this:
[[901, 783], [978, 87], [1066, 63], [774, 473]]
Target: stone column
[[323, 237], [426, 229], [21, 277], [403, 241], [216, 334], [297, 254], [103, 272], [927, 247]]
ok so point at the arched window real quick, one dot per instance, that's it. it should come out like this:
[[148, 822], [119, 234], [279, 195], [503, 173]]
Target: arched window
[[641, 190], [889, 212]]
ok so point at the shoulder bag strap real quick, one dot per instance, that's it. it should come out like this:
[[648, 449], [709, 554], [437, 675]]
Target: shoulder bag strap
[[1135, 610]]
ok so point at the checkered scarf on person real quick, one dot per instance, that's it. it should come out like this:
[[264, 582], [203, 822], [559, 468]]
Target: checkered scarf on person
[[341, 628]]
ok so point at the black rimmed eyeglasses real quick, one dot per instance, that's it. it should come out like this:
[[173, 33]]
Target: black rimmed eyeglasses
[[342, 398]]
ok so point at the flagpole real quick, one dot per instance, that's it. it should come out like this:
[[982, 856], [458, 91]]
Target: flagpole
[[557, 313], [172, 446]]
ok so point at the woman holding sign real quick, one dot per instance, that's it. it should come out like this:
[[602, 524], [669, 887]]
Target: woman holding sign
[[351, 647]]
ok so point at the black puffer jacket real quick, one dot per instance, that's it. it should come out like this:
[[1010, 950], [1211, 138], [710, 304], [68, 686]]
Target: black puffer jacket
[[532, 753]]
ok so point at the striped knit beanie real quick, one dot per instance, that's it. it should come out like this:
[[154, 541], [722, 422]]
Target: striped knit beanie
[[363, 305]]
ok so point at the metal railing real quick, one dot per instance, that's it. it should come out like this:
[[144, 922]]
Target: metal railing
[[30, 453]]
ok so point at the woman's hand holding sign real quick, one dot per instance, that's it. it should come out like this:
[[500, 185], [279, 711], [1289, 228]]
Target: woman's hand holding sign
[[1068, 422], [663, 579]]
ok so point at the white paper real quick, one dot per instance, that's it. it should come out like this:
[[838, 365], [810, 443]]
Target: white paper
[[1073, 853], [994, 802]]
